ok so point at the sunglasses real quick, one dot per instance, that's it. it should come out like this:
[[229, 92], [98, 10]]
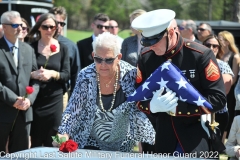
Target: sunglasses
[[149, 41], [14, 25], [24, 28], [213, 45], [201, 29], [181, 28], [106, 60], [99, 26], [45, 27], [113, 27], [62, 24]]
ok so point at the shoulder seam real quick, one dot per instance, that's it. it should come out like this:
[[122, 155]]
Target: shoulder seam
[[187, 45]]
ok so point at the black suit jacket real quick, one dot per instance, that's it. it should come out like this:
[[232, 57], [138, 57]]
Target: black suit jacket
[[85, 50], [13, 80], [75, 64]]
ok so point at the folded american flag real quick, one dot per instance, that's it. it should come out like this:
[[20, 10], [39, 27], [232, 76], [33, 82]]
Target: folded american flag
[[169, 76]]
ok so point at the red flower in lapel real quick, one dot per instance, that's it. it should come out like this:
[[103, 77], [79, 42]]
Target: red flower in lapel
[[53, 48]]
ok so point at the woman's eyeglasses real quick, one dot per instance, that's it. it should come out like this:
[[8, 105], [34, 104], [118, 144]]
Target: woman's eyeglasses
[[14, 25], [99, 26], [62, 24], [45, 27], [106, 60], [213, 45]]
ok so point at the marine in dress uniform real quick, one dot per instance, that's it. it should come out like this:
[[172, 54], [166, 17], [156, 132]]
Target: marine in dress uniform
[[178, 130]]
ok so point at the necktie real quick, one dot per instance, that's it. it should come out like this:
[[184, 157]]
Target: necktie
[[14, 54]]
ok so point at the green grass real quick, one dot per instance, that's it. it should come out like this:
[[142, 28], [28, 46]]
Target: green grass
[[75, 35]]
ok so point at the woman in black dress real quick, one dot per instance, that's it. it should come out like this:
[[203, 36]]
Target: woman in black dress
[[53, 63]]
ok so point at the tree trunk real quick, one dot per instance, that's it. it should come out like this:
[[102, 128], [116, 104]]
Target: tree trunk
[[236, 15]]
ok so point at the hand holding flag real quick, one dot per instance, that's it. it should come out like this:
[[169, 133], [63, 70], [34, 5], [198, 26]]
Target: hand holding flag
[[169, 76], [164, 103]]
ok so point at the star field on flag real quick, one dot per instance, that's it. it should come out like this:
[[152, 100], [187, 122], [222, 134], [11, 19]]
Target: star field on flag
[[169, 76]]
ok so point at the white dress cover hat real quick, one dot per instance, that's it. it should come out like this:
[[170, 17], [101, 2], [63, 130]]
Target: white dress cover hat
[[153, 22]]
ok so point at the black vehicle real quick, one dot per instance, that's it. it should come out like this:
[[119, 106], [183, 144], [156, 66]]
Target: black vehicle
[[29, 9]]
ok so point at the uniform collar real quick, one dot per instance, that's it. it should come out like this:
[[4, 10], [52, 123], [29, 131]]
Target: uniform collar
[[176, 48]]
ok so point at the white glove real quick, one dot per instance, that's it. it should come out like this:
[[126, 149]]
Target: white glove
[[164, 103]]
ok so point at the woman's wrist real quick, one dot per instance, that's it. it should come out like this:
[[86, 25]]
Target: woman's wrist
[[56, 75]]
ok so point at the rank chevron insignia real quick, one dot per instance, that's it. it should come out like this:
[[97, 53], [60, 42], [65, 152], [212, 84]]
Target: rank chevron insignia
[[169, 76], [212, 72]]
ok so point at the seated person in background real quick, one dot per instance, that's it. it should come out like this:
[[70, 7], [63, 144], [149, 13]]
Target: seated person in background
[[233, 142], [98, 115]]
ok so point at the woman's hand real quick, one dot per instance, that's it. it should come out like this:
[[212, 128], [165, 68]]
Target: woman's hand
[[36, 74], [55, 144], [46, 74], [64, 135]]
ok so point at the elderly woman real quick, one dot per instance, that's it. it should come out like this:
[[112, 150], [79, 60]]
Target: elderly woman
[[97, 115]]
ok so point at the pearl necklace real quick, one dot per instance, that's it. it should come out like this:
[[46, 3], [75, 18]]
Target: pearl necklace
[[114, 93]]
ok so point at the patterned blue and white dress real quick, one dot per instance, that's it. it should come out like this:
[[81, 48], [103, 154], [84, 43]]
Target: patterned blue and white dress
[[225, 69], [117, 130]]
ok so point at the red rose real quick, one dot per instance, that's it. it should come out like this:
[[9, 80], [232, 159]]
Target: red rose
[[29, 90], [68, 146], [62, 147], [53, 48]]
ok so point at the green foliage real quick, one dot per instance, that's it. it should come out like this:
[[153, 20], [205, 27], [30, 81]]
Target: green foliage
[[218, 9], [81, 12], [165, 4], [75, 35]]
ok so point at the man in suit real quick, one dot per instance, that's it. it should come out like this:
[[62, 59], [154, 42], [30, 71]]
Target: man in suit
[[16, 66], [75, 66], [99, 25], [188, 29]]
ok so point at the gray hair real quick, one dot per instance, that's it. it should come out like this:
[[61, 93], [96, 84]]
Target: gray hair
[[208, 26], [190, 24], [8, 16], [107, 40]]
